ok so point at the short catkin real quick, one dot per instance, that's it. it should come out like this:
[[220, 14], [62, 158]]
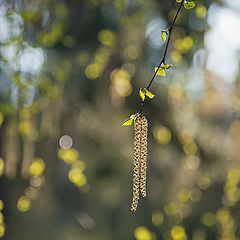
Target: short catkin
[[139, 161]]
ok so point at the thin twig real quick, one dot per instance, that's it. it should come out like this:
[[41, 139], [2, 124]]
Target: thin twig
[[164, 54]]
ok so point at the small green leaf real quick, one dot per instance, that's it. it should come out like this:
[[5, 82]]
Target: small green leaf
[[142, 93], [189, 5], [160, 71], [163, 36], [166, 66], [179, 1], [128, 122], [149, 94]]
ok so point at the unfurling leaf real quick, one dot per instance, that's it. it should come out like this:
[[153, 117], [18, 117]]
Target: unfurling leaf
[[142, 93], [189, 5], [166, 66], [149, 94], [128, 122], [163, 36], [145, 93], [160, 71]]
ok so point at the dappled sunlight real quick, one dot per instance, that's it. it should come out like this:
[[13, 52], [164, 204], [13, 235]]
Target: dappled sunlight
[[71, 72]]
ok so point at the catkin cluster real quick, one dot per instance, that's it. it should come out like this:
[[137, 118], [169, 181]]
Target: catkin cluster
[[139, 161]]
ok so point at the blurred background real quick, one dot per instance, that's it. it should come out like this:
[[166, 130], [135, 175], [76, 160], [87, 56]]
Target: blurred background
[[70, 72]]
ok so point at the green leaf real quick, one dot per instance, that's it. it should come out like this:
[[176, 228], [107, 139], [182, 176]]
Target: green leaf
[[142, 93], [128, 122], [149, 94], [160, 71], [163, 36], [166, 66], [189, 5], [179, 1]]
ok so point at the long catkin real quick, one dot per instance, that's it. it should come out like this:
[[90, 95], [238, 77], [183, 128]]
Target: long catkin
[[139, 161], [143, 163]]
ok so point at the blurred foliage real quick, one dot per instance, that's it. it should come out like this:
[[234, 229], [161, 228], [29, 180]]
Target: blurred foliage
[[70, 74]]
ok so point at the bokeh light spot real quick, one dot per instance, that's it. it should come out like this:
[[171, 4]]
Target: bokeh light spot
[[79, 165], [204, 182], [184, 195], [2, 230], [178, 233], [201, 11], [37, 167], [25, 127], [66, 142], [36, 181], [195, 195], [157, 218], [186, 136], [190, 149], [121, 82], [162, 135], [142, 233], [191, 162], [107, 37], [31, 60], [93, 70], [208, 219], [131, 52], [31, 192], [76, 176], [24, 204], [68, 155], [222, 215]]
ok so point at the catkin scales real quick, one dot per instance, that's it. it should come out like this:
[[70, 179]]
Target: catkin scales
[[139, 160]]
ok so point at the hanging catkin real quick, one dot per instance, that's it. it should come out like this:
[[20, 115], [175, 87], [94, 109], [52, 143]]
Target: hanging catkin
[[139, 162], [143, 163]]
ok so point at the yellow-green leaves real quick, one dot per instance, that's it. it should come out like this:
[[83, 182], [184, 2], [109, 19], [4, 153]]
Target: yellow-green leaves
[[144, 92], [130, 120], [166, 66], [160, 71], [164, 34], [149, 94], [189, 4]]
